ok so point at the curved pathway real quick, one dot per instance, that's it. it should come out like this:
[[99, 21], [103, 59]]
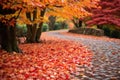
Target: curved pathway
[[106, 60]]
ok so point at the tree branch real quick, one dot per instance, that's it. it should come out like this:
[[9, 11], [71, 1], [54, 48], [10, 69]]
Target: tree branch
[[18, 13]]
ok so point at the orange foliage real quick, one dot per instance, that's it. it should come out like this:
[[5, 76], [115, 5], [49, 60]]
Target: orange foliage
[[65, 8], [73, 9]]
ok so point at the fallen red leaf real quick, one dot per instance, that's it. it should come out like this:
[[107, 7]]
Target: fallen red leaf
[[51, 60]]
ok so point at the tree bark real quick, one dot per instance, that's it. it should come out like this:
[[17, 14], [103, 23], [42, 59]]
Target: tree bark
[[39, 31], [77, 23], [34, 31], [31, 33], [8, 38]]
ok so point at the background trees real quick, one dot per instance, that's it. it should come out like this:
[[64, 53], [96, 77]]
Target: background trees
[[107, 13], [74, 10], [107, 16], [51, 22]]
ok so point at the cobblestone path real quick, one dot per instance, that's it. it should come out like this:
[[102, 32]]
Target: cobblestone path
[[106, 60]]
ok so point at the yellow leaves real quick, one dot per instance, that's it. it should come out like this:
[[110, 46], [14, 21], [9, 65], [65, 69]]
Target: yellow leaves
[[68, 9], [72, 9], [60, 19], [7, 19], [46, 1], [45, 19], [26, 1], [24, 20]]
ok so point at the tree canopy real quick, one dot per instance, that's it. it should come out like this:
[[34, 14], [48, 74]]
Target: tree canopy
[[31, 12], [108, 12]]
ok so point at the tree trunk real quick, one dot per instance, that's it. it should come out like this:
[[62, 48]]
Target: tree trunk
[[34, 31], [31, 33], [77, 23], [31, 28], [8, 38], [39, 31], [51, 23], [80, 23]]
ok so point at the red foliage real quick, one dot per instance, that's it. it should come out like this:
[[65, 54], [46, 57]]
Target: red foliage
[[47, 61], [109, 13]]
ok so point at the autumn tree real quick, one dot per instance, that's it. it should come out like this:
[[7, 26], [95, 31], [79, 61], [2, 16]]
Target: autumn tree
[[32, 13], [77, 22], [34, 30], [108, 12], [34, 27], [35, 18], [9, 12], [75, 10]]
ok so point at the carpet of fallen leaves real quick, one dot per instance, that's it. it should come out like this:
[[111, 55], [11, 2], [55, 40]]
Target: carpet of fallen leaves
[[49, 60]]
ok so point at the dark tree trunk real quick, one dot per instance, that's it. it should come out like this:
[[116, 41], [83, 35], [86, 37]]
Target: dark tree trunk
[[77, 23], [39, 31], [31, 33], [31, 28], [80, 23], [34, 31], [8, 38], [51, 23]]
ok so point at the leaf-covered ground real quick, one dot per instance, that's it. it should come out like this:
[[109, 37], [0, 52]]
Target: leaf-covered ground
[[62, 57], [106, 58], [49, 60]]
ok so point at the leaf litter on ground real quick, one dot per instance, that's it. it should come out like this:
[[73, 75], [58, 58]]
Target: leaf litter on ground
[[53, 59]]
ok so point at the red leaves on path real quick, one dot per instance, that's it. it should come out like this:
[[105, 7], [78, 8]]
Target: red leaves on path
[[50, 60]]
